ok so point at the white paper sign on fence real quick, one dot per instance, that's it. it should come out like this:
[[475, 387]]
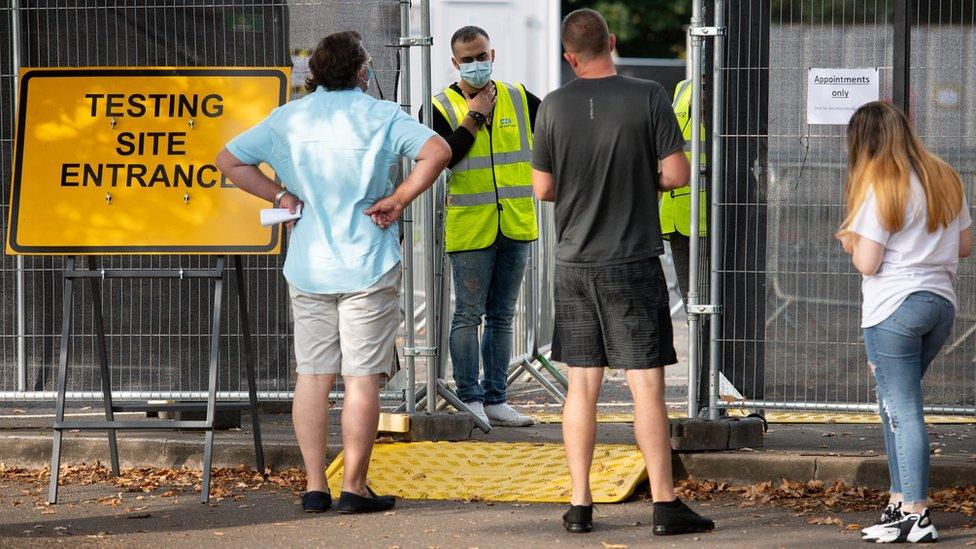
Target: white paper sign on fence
[[834, 94]]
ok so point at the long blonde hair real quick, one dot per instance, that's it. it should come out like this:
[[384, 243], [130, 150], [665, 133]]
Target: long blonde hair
[[882, 153]]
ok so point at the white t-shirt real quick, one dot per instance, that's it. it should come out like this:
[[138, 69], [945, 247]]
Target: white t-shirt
[[915, 260]]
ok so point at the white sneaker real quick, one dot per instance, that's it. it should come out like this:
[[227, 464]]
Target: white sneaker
[[912, 528], [506, 416], [891, 513], [478, 409]]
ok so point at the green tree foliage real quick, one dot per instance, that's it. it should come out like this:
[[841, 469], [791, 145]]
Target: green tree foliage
[[644, 28]]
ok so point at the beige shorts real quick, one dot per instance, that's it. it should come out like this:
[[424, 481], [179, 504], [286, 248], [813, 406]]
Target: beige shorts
[[352, 334]]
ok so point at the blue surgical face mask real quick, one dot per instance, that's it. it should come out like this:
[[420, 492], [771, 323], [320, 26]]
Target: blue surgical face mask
[[476, 73], [370, 75]]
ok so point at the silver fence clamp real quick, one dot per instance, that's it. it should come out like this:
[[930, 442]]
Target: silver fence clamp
[[419, 351], [181, 273], [103, 273], [411, 41], [707, 31], [703, 309]]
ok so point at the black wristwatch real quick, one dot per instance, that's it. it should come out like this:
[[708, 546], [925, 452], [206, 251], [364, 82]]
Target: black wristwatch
[[479, 119]]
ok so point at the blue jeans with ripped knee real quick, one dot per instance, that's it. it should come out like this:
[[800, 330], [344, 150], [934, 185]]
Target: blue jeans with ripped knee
[[486, 285], [900, 350]]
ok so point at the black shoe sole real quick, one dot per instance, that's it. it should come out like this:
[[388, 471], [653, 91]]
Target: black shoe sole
[[316, 510], [362, 512], [577, 528], [680, 530]]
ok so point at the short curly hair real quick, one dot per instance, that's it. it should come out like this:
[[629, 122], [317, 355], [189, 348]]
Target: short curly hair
[[336, 61]]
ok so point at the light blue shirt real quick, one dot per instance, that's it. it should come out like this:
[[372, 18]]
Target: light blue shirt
[[335, 150]]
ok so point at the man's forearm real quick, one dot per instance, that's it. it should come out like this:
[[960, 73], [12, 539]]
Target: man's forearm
[[469, 124], [460, 142], [421, 178], [249, 179]]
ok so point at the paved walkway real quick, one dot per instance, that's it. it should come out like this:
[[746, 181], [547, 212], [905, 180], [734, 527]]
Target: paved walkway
[[271, 518]]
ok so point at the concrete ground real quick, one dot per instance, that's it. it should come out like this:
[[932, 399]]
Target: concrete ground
[[272, 518], [99, 514]]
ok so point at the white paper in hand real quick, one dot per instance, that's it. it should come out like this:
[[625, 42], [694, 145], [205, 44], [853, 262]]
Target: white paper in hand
[[273, 216]]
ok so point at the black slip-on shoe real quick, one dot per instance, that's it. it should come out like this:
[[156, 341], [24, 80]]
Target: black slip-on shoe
[[354, 503], [316, 502], [373, 495], [674, 517], [578, 519]]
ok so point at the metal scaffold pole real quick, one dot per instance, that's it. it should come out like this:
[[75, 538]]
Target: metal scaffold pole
[[21, 283], [715, 229], [427, 204], [409, 322], [694, 320]]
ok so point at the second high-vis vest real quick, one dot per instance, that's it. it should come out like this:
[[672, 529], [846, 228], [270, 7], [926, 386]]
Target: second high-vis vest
[[676, 205], [490, 190]]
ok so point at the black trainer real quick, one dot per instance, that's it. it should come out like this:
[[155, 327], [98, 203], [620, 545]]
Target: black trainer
[[674, 517], [354, 503], [578, 519], [316, 502]]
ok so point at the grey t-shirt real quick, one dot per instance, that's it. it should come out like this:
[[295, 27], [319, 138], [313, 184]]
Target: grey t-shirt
[[601, 139]]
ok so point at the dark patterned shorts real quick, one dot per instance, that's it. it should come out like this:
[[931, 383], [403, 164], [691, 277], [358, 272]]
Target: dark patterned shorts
[[616, 316]]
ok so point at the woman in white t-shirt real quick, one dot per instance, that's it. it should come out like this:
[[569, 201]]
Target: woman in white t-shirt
[[907, 225]]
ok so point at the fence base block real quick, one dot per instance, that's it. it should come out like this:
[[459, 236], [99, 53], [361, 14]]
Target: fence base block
[[700, 435], [224, 420], [440, 426]]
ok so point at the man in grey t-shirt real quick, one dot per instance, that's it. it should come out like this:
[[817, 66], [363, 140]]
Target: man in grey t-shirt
[[598, 142]]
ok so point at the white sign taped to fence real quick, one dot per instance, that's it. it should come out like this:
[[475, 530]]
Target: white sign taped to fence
[[834, 94]]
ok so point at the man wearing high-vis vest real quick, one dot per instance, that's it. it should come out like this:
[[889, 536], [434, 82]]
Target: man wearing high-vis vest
[[490, 219], [675, 217]]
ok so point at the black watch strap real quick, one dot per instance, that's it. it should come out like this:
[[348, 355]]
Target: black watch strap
[[479, 118]]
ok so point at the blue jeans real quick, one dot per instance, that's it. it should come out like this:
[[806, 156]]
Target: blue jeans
[[900, 350], [486, 284]]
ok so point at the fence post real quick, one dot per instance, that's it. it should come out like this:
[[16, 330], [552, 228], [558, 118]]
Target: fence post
[[21, 283], [694, 320], [409, 318], [715, 229], [430, 242], [901, 50]]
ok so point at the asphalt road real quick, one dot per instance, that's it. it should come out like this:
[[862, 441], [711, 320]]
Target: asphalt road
[[272, 518]]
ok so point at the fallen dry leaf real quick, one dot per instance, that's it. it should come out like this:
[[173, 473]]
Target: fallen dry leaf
[[139, 516], [832, 521]]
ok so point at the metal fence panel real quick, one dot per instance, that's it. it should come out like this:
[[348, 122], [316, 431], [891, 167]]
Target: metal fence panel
[[158, 329], [791, 335]]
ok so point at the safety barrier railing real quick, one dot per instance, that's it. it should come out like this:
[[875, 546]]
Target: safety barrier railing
[[157, 329], [785, 296]]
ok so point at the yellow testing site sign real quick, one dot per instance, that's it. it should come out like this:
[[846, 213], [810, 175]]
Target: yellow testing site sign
[[121, 161]]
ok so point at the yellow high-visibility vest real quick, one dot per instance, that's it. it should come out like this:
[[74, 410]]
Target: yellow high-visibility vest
[[675, 211], [490, 190]]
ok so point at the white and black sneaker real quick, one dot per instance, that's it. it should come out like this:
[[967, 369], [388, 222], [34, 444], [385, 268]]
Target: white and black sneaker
[[911, 528], [891, 513]]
